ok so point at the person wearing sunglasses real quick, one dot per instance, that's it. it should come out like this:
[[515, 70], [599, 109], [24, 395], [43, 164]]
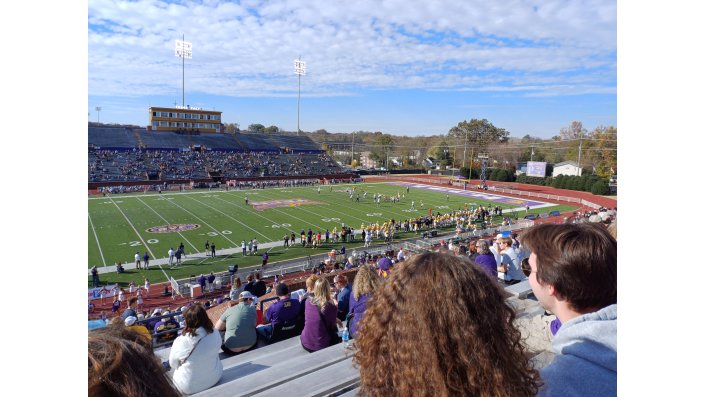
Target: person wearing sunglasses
[[572, 271]]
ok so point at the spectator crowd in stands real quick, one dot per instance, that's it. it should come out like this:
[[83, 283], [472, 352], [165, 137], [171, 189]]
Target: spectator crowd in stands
[[105, 165], [454, 332]]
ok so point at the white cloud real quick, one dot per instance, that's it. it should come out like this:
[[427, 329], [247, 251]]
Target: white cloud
[[249, 48]]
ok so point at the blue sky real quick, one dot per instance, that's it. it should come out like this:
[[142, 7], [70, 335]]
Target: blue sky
[[401, 67]]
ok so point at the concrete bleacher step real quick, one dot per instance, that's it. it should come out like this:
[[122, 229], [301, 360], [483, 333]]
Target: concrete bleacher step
[[263, 353], [542, 359], [349, 393], [324, 382], [283, 363], [520, 290]]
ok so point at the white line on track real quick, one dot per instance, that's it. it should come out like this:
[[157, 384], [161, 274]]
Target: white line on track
[[96, 240], [139, 236]]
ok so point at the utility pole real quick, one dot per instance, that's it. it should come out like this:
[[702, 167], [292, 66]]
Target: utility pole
[[465, 149], [352, 150], [580, 152]]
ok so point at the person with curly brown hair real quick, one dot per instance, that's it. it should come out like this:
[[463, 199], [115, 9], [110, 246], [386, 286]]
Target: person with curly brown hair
[[122, 363], [441, 327]]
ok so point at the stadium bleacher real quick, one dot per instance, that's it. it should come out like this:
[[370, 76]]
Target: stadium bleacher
[[135, 154], [286, 368]]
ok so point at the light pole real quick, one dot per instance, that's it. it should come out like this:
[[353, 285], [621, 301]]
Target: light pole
[[300, 70], [183, 51], [98, 109]]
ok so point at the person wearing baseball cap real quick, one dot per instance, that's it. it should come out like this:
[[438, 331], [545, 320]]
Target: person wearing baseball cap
[[286, 310], [239, 323], [131, 323]]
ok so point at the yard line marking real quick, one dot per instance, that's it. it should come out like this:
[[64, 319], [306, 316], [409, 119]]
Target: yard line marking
[[96, 240], [253, 213], [236, 220], [139, 236], [204, 222], [164, 219]]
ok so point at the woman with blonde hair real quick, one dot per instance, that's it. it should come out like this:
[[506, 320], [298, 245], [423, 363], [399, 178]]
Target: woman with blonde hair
[[441, 327], [366, 283], [236, 289], [320, 318], [310, 282]]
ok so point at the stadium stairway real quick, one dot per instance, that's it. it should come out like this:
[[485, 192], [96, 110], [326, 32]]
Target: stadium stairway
[[138, 138], [284, 368]]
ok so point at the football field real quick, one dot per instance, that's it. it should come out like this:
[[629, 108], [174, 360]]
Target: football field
[[121, 225]]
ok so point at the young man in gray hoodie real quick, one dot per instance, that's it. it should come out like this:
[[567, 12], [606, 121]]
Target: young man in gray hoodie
[[572, 271]]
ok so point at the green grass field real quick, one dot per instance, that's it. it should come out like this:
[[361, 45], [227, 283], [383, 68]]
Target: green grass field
[[118, 225]]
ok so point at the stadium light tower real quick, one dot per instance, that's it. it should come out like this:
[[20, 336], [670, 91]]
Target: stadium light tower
[[98, 109], [300, 70], [183, 51]]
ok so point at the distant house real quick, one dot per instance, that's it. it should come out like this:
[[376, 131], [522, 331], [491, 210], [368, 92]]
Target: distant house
[[432, 163], [567, 168]]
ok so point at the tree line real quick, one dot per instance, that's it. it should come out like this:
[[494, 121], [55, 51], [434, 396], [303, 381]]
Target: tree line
[[596, 150]]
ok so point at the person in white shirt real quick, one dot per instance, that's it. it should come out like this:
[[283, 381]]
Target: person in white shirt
[[494, 249], [194, 354], [401, 256], [171, 255]]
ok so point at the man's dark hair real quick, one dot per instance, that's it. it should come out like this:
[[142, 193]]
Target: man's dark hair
[[578, 260]]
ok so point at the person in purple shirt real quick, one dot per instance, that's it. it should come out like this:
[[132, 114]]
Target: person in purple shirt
[[116, 305], [211, 282], [485, 259], [320, 318], [366, 283], [286, 310], [202, 282]]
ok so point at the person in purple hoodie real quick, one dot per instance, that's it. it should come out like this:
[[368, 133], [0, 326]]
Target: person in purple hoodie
[[366, 283], [485, 259], [320, 318]]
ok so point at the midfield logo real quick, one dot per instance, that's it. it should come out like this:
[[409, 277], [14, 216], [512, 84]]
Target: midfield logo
[[173, 228]]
